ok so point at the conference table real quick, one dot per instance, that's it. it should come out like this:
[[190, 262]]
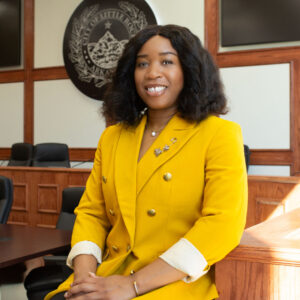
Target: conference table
[[19, 243]]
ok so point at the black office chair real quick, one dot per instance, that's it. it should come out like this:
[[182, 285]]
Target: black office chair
[[40, 281], [247, 156], [6, 198], [21, 155], [51, 155]]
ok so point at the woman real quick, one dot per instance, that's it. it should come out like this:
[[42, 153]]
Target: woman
[[167, 195]]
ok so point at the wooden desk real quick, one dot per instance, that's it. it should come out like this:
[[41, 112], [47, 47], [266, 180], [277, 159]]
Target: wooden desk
[[20, 243], [266, 264], [38, 193]]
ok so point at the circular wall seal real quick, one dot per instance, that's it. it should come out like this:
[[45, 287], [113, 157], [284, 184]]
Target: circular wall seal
[[95, 38]]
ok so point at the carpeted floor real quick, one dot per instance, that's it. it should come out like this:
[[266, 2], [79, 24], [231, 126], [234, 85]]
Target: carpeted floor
[[12, 291]]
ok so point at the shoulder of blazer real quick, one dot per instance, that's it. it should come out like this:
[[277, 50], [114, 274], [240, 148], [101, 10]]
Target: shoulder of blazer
[[110, 133], [213, 124]]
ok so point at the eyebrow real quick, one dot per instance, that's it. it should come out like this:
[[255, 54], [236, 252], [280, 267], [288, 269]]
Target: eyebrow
[[161, 53]]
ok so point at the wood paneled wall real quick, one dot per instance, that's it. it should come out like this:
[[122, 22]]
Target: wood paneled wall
[[290, 55], [38, 193]]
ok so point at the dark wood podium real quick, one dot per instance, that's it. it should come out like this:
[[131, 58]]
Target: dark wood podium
[[266, 264]]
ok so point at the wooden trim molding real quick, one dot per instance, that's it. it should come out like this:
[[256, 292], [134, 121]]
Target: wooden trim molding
[[82, 154], [5, 153], [211, 25], [295, 112], [52, 73], [28, 63], [271, 157], [257, 57], [76, 154], [12, 76]]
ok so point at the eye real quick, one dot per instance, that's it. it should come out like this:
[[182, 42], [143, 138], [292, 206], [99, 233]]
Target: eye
[[167, 62], [141, 64]]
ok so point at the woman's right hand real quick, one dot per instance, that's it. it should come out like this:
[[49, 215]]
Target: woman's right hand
[[115, 287]]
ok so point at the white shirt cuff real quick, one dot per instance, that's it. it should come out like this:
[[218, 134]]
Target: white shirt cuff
[[84, 247], [184, 256]]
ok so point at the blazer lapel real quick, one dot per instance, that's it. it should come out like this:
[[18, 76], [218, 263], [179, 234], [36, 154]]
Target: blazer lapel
[[174, 136], [125, 173]]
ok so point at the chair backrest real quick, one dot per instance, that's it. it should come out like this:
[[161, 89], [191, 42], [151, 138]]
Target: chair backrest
[[51, 155], [70, 199], [21, 154], [6, 198], [247, 155]]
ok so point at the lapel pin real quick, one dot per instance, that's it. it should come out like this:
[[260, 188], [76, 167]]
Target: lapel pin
[[157, 151]]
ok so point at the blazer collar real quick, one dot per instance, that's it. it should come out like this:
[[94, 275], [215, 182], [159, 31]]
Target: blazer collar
[[174, 136], [131, 175], [127, 153]]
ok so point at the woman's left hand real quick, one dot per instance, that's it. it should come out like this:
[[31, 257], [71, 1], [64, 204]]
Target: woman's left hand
[[115, 287]]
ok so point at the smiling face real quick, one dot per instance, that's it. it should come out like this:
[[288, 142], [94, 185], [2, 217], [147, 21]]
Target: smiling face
[[158, 74]]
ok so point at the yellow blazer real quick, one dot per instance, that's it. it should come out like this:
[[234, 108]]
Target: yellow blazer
[[195, 188]]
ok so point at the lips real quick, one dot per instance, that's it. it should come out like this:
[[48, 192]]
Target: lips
[[155, 90]]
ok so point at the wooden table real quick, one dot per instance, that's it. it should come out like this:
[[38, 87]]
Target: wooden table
[[266, 264], [20, 243]]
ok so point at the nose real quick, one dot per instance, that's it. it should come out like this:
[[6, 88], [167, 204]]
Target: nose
[[153, 71]]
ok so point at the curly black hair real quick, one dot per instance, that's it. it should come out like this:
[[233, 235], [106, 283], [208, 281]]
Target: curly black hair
[[201, 95]]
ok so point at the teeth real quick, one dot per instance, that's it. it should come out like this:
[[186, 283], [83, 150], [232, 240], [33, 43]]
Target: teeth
[[156, 89]]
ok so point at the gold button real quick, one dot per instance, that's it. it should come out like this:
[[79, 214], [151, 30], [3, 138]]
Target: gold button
[[115, 248], [128, 247], [131, 272], [111, 212], [167, 176], [151, 212], [104, 179]]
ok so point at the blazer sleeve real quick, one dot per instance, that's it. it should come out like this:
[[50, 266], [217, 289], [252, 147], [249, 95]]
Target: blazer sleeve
[[223, 214], [91, 222]]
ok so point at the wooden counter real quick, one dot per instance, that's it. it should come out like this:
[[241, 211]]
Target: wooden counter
[[38, 193], [271, 196], [266, 264]]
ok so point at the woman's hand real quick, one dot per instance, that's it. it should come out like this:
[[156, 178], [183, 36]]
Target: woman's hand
[[115, 287]]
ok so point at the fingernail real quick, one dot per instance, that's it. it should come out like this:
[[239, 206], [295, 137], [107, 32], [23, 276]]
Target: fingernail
[[66, 294]]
